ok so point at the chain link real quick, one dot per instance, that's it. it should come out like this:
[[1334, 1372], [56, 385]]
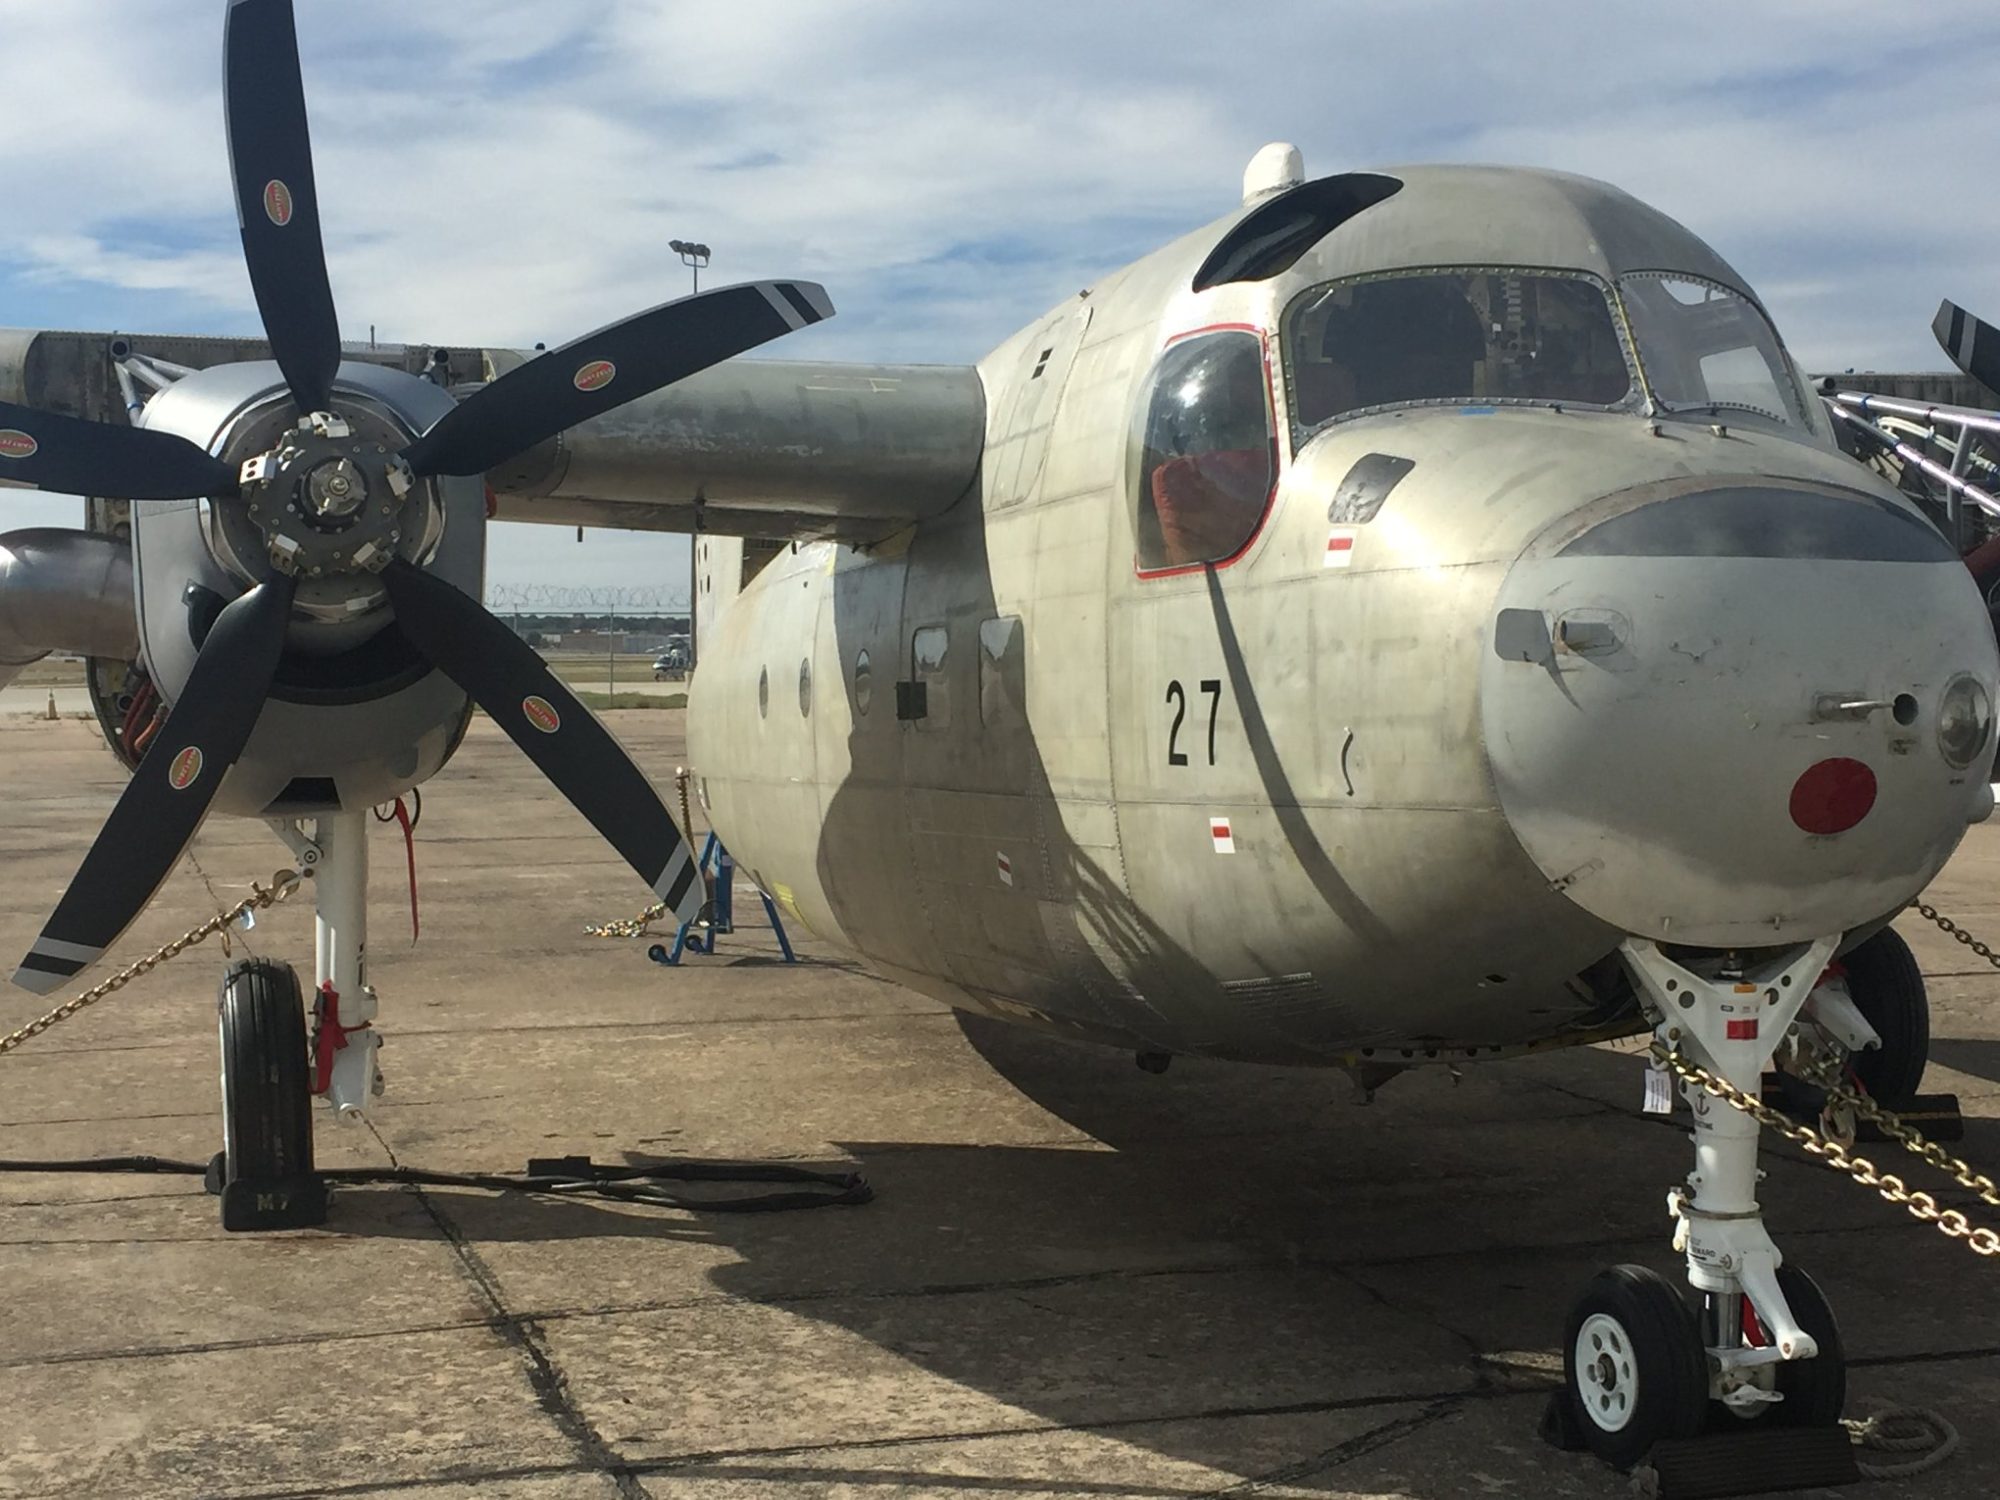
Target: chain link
[[1930, 914], [626, 927], [284, 885], [1921, 1205]]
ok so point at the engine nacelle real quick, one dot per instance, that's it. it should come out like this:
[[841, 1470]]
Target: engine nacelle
[[355, 716]]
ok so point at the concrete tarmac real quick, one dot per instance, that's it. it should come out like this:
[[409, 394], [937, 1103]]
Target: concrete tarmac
[[1077, 1279]]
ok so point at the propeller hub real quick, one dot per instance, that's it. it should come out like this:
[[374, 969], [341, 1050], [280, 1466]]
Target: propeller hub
[[335, 493]]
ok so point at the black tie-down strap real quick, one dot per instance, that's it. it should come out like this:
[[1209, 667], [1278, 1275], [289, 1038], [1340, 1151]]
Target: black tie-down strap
[[559, 1177]]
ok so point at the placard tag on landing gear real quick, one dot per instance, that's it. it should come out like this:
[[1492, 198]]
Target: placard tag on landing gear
[[1659, 1090]]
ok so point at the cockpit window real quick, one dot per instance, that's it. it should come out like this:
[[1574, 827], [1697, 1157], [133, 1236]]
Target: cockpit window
[[1706, 348], [1207, 451], [1486, 336]]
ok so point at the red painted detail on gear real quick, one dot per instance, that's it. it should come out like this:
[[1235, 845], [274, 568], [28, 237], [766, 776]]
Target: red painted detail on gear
[[329, 1036], [1754, 1336], [1831, 796], [277, 203], [1743, 1031]]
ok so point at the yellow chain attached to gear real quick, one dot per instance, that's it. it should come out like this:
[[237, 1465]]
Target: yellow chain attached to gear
[[1921, 1205], [284, 885], [629, 926]]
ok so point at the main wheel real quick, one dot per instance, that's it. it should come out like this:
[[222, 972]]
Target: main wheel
[[1815, 1390], [1633, 1364], [1888, 988], [266, 1089]]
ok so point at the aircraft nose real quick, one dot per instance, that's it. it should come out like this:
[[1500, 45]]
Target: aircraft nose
[[1739, 713]]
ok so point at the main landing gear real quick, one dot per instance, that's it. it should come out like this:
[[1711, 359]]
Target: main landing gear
[[272, 1068], [1643, 1365]]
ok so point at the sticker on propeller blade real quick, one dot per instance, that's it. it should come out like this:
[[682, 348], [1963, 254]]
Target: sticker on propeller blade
[[541, 713], [186, 769], [17, 444], [277, 203], [596, 375]]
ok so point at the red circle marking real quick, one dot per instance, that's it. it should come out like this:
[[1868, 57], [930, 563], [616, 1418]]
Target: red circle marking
[[186, 769], [1831, 796], [17, 444], [596, 375], [540, 713], [277, 203]]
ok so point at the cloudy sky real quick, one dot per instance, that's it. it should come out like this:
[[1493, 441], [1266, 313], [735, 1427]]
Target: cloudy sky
[[511, 171]]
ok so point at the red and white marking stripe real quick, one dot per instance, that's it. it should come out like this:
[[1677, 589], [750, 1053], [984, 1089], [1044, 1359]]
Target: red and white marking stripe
[[1340, 546], [1005, 867], [1219, 834]]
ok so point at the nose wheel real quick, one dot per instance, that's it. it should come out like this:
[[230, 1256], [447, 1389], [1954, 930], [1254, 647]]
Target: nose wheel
[[265, 1170], [1633, 1365]]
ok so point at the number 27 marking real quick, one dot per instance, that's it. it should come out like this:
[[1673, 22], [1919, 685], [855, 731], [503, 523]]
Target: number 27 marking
[[1177, 696]]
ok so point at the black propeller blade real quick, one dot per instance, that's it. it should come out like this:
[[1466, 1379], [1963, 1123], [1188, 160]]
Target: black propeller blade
[[606, 369], [94, 458], [506, 677], [170, 793], [277, 204], [1972, 343]]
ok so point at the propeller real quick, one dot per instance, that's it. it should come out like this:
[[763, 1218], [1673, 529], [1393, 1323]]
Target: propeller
[[1972, 343], [94, 458], [277, 203], [169, 795]]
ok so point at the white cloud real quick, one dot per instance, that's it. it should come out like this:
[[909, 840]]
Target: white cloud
[[512, 171]]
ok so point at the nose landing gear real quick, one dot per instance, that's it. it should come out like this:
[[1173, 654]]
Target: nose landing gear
[[1641, 1366]]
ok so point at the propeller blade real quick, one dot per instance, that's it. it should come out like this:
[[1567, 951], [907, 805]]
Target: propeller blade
[[1972, 343], [564, 739], [74, 457], [170, 793], [277, 205], [604, 370]]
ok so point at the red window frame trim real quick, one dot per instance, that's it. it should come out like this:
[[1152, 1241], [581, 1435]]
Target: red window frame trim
[[1277, 452]]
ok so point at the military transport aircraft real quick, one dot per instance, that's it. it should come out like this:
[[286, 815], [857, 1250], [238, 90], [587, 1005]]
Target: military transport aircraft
[[1422, 615]]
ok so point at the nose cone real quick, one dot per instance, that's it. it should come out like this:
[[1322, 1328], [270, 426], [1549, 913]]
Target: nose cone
[[1739, 712]]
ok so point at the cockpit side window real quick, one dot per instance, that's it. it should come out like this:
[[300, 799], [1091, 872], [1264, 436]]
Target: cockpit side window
[[1486, 335], [1207, 451], [1705, 348]]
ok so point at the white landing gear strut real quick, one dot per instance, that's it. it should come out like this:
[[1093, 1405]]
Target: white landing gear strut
[[344, 1040], [1641, 1365]]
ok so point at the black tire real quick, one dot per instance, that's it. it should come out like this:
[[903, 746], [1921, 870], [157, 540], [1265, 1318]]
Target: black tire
[[1888, 988], [266, 1085], [1644, 1382], [1815, 1390]]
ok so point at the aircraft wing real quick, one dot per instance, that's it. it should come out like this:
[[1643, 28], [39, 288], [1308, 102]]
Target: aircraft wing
[[772, 449]]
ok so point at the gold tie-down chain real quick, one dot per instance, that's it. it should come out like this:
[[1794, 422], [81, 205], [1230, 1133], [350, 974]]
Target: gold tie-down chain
[[284, 885], [1953, 930], [1922, 1206]]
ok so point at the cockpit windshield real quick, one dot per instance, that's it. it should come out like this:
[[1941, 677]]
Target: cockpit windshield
[[1484, 336], [1706, 348]]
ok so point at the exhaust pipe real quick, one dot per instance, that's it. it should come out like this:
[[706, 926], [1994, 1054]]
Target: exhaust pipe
[[64, 591]]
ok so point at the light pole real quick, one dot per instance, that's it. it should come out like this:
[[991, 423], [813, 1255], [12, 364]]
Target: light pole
[[692, 255]]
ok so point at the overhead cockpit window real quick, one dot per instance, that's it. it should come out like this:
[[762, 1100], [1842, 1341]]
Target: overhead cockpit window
[[1207, 451], [1705, 348], [1472, 336]]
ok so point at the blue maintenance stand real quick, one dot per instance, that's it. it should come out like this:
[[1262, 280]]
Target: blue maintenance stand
[[715, 861]]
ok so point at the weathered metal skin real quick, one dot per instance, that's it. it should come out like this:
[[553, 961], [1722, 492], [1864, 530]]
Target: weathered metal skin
[[63, 591], [753, 447], [1399, 795]]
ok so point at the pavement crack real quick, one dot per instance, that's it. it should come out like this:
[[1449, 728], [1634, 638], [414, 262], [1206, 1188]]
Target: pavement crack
[[524, 1335], [1359, 1446]]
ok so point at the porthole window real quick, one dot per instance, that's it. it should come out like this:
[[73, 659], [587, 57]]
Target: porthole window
[[864, 683], [928, 649], [764, 692], [1206, 452], [805, 686], [1001, 689]]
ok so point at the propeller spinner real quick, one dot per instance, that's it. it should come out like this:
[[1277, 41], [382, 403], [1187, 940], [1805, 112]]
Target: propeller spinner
[[323, 504]]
